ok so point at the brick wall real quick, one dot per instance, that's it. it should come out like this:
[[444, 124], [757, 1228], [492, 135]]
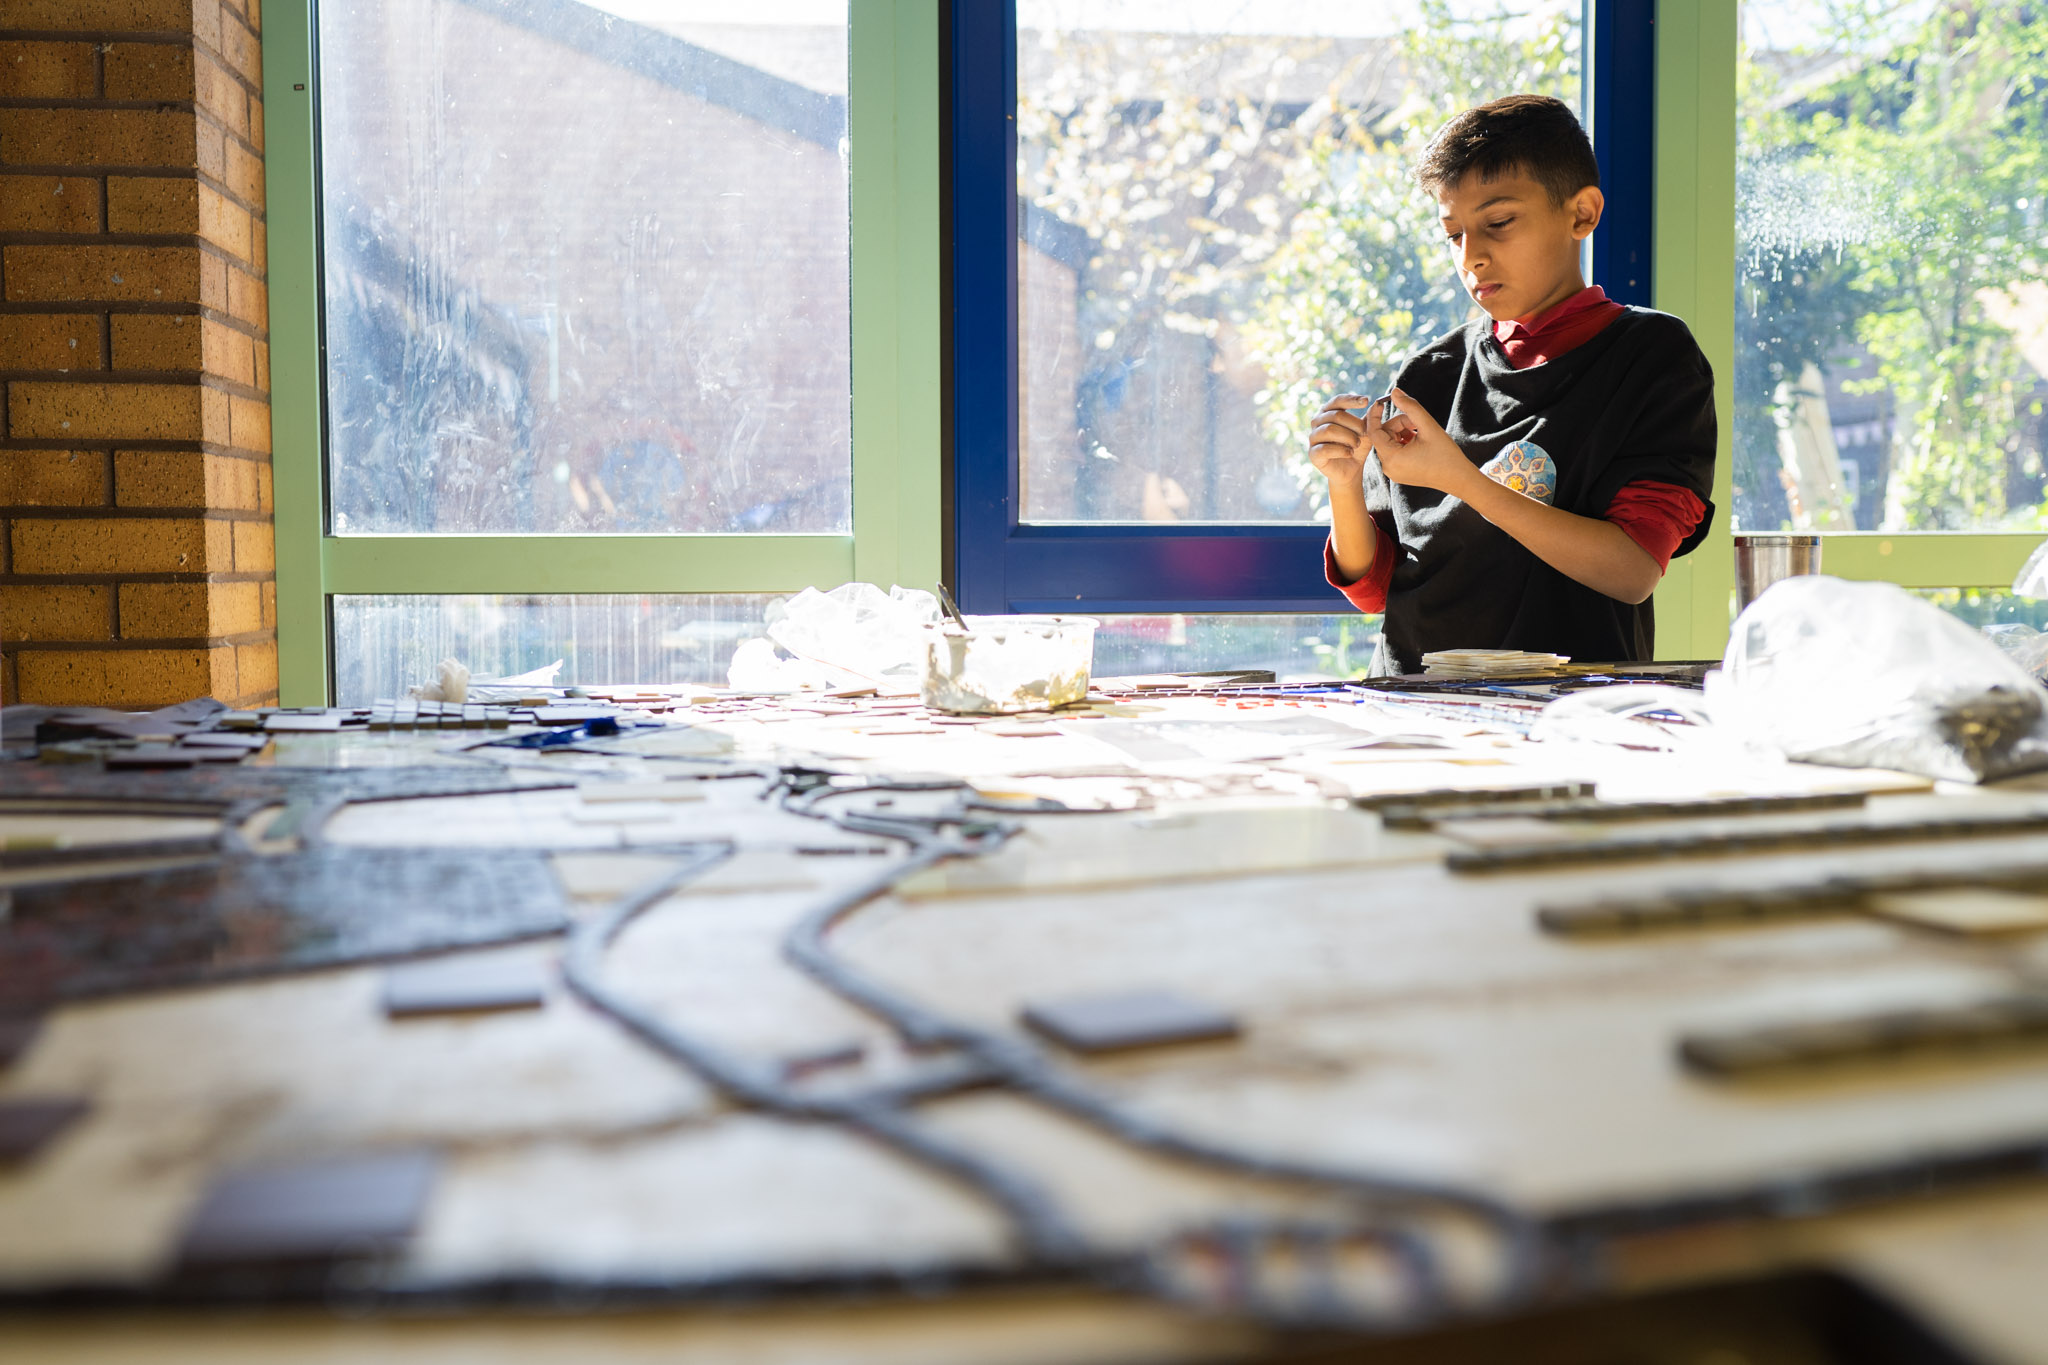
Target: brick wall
[[136, 563]]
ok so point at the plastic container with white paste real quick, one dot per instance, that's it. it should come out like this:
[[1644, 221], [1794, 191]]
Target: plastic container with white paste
[[1001, 665]]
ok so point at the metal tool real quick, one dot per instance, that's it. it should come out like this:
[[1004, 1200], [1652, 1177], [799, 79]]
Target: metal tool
[[952, 607]]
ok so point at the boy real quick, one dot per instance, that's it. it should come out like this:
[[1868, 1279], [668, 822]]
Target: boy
[[1542, 464]]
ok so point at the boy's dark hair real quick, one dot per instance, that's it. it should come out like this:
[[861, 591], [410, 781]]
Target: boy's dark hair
[[1534, 134]]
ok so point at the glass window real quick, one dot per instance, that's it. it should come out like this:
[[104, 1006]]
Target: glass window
[[1217, 230], [382, 645], [1892, 308], [1295, 647], [586, 266], [1990, 607]]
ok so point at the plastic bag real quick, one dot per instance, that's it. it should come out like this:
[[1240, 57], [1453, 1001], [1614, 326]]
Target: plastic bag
[[452, 684], [2024, 645], [1615, 715], [854, 634], [1865, 675]]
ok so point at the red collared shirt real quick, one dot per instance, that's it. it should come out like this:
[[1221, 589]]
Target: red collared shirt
[[1656, 516]]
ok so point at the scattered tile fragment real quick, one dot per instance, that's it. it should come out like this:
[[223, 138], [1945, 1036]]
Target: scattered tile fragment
[[1106, 1023], [607, 792], [313, 1211], [1966, 910], [464, 985], [18, 1033], [28, 1125]]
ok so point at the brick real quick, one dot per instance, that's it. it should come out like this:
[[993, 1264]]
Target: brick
[[209, 149], [242, 50], [157, 341], [87, 16], [243, 172], [228, 353], [269, 604], [235, 485], [263, 366], [52, 478], [255, 547], [213, 282], [206, 22], [259, 246], [249, 424], [46, 70], [186, 479], [256, 671], [49, 203], [189, 611], [114, 274], [248, 298], [149, 71], [256, 123], [160, 478], [36, 612], [156, 203], [7, 687], [214, 414], [105, 412], [165, 611], [133, 679], [121, 545], [97, 137], [223, 97], [225, 223], [264, 499], [49, 341]]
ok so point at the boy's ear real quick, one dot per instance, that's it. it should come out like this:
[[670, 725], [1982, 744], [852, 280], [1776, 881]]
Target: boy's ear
[[1586, 207]]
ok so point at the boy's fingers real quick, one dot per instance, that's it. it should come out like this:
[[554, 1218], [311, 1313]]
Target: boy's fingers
[[1336, 420], [1410, 409]]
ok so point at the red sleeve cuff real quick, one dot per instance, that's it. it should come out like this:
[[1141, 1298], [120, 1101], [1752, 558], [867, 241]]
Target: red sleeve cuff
[[1368, 594], [1656, 516]]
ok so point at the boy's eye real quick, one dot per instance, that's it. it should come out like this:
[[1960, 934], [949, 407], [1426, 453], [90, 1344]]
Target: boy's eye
[[1496, 227]]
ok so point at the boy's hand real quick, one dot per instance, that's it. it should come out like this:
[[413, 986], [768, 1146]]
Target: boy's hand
[[1415, 450], [1339, 440]]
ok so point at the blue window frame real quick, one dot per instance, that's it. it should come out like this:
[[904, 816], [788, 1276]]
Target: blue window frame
[[999, 562]]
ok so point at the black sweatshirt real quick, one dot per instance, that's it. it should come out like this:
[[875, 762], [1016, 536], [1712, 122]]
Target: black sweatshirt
[[1634, 402]]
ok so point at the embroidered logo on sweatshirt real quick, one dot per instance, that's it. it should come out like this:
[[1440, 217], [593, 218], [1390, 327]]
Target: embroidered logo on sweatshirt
[[1525, 467]]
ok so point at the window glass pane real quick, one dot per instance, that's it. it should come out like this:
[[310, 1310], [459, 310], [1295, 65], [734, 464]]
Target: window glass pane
[[1296, 648], [1217, 231], [384, 644], [1989, 607], [1891, 307], [585, 265]]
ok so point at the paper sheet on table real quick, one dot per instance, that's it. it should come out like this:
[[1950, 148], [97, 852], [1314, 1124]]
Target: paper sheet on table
[[1231, 740]]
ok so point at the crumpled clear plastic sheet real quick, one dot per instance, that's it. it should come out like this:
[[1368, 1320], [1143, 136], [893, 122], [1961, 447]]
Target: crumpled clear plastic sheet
[[854, 635], [1616, 715], [1865, 675], [2022, 644]]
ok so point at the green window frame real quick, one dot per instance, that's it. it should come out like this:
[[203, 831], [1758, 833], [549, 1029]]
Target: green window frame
[[893, 132], [1693, 275]]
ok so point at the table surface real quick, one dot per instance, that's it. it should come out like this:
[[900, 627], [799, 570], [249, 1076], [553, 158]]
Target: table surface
[[848, 1146]]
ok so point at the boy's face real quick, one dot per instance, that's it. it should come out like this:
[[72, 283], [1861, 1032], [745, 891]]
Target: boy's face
[[1516, 251]]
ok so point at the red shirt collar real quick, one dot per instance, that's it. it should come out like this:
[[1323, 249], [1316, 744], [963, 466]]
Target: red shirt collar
[[1549, 320]]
